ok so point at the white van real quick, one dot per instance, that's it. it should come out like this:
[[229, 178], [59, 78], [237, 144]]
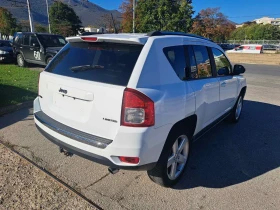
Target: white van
[[247, 48]]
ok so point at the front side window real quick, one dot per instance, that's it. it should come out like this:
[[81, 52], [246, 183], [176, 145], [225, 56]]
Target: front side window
[[203, 62], [176, 57], [18, 39], [34, 41], [221, 60]]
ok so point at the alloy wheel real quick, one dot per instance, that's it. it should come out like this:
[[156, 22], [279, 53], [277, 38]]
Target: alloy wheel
[[178, 157], [238, 107]]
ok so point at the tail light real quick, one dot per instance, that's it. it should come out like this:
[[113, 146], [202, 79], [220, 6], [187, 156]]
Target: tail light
[[137, 109], [133, 160]]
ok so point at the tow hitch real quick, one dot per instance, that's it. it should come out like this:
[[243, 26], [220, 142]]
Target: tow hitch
[[113, 170], [65, 152]]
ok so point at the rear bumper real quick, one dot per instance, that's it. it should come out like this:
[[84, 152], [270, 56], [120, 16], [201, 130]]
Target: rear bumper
[[145, 143], [91, 156]]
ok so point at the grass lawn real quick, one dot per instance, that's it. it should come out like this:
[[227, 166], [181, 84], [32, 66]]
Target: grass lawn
[[17, 84]]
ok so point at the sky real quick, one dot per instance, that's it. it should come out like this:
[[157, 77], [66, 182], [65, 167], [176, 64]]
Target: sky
[[236, 10]]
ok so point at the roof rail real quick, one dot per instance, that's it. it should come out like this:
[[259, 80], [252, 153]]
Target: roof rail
[[164, 33]]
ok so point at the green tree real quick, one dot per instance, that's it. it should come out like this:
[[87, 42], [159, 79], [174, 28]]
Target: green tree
[[256, 32], [8, 24], [166, 15], [64, 20], [41, 29]]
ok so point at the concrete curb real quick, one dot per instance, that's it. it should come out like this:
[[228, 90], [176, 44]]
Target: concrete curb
[[13, 108]]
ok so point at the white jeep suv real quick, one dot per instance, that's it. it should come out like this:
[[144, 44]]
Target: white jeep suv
[[137, 101]]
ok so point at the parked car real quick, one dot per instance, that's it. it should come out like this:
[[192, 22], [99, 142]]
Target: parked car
[[270, 47], [226, 46], [248, 48], [37, 48], [136, 101], [6, 51]]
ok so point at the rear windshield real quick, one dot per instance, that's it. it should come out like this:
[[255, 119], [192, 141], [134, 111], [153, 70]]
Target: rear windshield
[[110, 63]]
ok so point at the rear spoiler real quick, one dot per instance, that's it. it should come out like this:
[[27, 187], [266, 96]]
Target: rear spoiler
[[115, 39]]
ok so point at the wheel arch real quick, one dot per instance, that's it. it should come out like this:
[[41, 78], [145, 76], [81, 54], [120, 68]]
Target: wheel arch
[[187, 125], [20, 52], [243, 91], [48, 56]]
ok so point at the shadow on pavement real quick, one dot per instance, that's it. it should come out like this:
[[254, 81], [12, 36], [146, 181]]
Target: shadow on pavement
[[227, 155], [11, 118], [9, 94], [233, 153]]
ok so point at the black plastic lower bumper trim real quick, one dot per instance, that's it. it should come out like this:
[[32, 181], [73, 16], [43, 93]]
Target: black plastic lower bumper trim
[[72, 133], [93, 157]]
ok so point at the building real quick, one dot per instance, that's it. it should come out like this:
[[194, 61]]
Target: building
[[268, 20], [264, 20], [276, 22]]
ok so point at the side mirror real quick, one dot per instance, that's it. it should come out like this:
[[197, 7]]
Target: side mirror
[[223, 71], [238, 69]]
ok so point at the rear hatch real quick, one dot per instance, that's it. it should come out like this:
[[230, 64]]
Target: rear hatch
[[83, 85]]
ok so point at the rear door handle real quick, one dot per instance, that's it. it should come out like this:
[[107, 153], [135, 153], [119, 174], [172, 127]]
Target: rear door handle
[[223, 84], [31, 48]]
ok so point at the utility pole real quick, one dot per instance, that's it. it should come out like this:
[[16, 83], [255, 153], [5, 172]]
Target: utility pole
[[30, 17], [134, 4], [115, 29], [48, 16]]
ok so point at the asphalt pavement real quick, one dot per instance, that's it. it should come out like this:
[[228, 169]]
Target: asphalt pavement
[[234, 166]]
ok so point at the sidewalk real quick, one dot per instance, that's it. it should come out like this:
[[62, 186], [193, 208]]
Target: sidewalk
[[23, 186]]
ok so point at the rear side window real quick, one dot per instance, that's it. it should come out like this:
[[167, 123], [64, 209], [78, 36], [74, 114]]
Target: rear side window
[[221, 60], [176, 57], [203, 61], [109, 63]]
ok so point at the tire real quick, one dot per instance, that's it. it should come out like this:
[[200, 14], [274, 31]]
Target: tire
[[172, 162], [237, 110], [49, 60], [20, 60]]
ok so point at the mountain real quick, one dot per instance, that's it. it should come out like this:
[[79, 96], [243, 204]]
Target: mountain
[[89, 13], [233, 23]]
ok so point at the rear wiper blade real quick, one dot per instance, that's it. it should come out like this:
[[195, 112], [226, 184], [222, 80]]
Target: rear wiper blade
[[86, 68]]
